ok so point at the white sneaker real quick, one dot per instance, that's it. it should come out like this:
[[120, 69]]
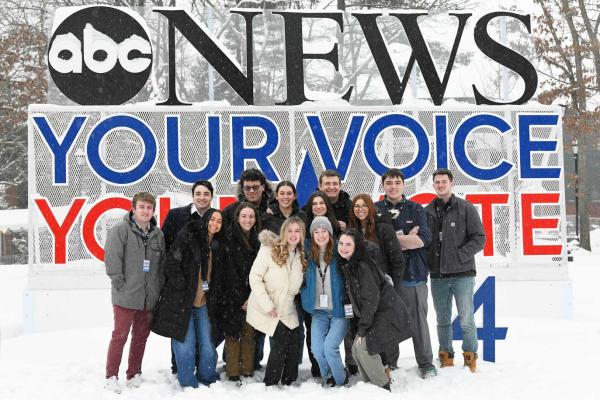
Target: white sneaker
[[112, 384], [134, 382]]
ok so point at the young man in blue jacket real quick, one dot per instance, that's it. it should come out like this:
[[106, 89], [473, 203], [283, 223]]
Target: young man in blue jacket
[[412, 231]]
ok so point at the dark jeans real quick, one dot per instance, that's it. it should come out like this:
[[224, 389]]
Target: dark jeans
[[283, 358], [218, 342]]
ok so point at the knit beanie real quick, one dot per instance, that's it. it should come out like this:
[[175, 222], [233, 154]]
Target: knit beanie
[[321, 223]]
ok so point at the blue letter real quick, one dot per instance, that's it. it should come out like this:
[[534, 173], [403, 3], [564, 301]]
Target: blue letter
[[173, 151], [62, 149], [121, 177], [413, 127], [441, 141], [528, 146], [261, 154], [460, 153], [350, 139]]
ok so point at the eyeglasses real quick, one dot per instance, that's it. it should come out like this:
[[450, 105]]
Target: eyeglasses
[[361, 206], [254, 188]]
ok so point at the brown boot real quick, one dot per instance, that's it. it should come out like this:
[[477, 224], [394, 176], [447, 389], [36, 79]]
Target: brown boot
[[470, 360], [446, 359]]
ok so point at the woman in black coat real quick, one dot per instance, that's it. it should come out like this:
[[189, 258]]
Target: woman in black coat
[[381, 318], [283, 206], [242, 248], [381, 232], [188, 309]]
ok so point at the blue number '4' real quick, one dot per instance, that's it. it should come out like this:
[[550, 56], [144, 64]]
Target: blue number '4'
[[489, 333]]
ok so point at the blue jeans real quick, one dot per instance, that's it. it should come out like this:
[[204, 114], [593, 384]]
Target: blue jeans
[[327, 333], [198, 336], [442, 291]]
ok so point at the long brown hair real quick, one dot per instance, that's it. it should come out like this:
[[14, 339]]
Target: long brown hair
[[280, 251], [353, 222], [315, 251]]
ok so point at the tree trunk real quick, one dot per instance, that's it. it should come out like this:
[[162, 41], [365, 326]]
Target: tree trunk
[[583, 190]]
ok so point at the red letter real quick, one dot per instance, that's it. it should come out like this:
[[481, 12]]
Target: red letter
[[486, 201], [530, 223], [423, 198], [164, 205], [89, 223], [224, 201], [61, 231]]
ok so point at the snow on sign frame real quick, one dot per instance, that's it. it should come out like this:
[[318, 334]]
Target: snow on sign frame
[[86, 163]]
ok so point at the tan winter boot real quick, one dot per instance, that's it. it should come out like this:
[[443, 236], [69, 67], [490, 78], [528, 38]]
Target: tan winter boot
[[446, 359], [470, 360]]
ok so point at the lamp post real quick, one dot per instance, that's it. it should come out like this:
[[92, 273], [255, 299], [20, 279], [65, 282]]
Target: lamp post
[[576, 159]]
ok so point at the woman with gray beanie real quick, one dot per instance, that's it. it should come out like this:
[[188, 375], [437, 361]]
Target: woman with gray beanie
[[322, 296]]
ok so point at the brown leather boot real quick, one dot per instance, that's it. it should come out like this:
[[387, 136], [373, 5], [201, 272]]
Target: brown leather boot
[[470, 360], [446, 359]]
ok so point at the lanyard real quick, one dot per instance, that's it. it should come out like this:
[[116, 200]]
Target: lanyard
[[323, 275]]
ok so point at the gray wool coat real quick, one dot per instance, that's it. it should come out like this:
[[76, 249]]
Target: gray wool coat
[[124, 257]]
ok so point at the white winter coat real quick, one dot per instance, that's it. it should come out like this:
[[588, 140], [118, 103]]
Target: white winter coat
[[273, 286]]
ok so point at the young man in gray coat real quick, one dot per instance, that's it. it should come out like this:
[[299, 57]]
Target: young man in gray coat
[[134, 254], [457, 236]]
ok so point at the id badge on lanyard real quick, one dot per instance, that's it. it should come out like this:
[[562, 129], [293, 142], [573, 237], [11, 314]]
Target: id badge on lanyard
[[348, 311]]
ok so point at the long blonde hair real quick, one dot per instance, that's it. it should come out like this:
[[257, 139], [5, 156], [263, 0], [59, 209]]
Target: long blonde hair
[[280, 251]]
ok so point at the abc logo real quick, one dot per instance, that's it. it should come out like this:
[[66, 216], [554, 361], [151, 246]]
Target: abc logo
[[100, 55]]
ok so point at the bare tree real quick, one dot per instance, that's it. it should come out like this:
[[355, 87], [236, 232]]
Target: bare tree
[[567, 44]]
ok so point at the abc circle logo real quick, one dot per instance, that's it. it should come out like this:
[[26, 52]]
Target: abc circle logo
[[100, 55]]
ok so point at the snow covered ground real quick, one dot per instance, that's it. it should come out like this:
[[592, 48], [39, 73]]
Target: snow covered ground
[[540, 358]]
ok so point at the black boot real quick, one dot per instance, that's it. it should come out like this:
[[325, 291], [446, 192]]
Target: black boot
[[387, 387], [352, 369]]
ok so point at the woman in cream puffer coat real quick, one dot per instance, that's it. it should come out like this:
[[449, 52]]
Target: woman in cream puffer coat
[[275, 279]]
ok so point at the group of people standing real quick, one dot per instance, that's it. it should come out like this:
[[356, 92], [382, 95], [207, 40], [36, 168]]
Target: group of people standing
[[340, 270]]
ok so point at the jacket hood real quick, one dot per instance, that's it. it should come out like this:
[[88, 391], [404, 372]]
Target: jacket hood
[[129, 218], [267, 238]]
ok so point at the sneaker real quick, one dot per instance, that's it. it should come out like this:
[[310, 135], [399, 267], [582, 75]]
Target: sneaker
[[134, 382], [112, 384], [428, 372]]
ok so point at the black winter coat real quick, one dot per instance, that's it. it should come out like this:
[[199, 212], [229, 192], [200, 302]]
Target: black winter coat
[[274, 221], [382, 317], [176, 219], [236, 287], [187, 257], [392, 259], [342, 207]]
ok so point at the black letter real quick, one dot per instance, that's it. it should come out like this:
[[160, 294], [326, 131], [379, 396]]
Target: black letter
[[295, 56], [505, 56], [420, 53], [243, 85]]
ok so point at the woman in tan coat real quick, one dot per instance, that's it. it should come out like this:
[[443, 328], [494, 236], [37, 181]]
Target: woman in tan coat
[[275, 279]]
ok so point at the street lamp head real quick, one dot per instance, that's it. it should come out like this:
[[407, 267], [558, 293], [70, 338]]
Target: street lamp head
[[575, 146]]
